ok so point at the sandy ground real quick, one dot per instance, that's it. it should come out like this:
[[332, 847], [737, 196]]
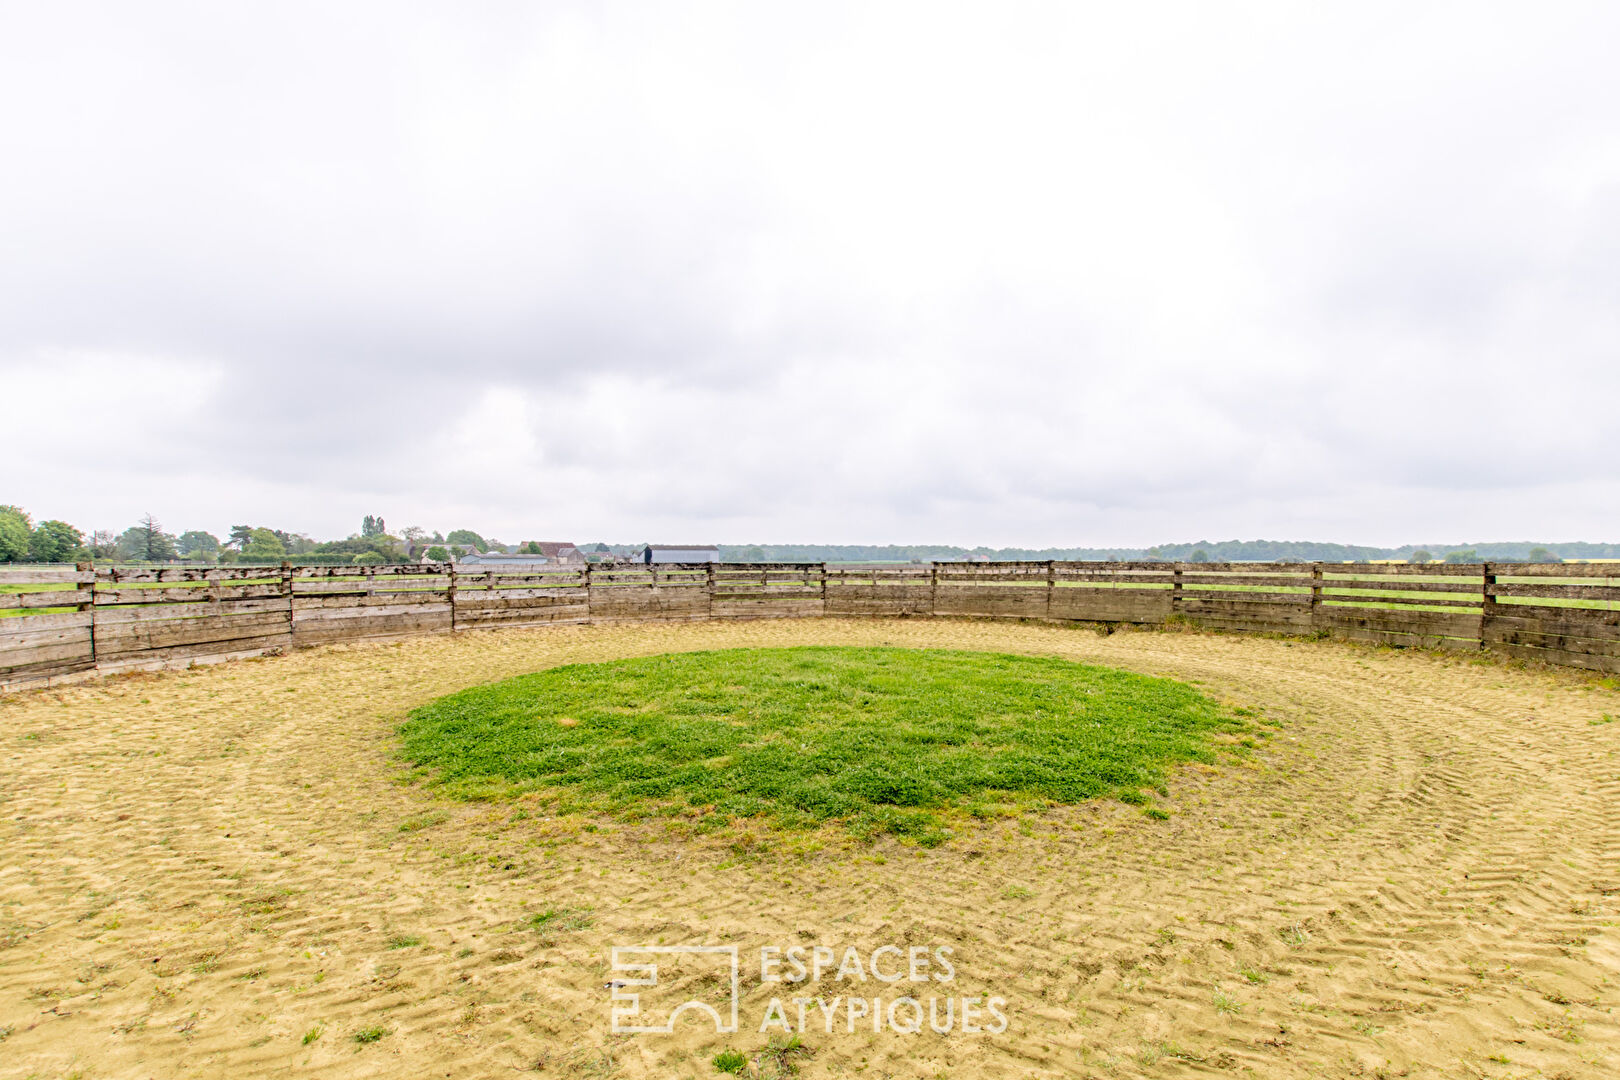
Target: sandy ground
[[221, 873]]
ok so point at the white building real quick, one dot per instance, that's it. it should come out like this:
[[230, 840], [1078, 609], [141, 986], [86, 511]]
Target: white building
[[680, 553]]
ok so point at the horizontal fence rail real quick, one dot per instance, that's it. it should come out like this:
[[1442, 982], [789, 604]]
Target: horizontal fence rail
[[58, 622]]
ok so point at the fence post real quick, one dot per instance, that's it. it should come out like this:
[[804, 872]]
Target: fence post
[[823, 588], [287, 591], [451, 593], [933, 587], [1316, 590], [1051, 585], [585, 579], [89, 607], [1175, 589], [1487, 608]]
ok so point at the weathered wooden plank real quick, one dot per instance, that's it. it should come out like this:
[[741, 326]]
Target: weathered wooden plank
[[1110, 605], [362, 588], [205, 651], [1563, 621], [1565, 570], [1036, 580], [306, 573], [1587, 593], [1249, 616], [48, 598], [1423, 600], [42, 674], [1564, 642], [853, 582], [1475, 588], [107, 630], [1380, 570], [471, 605], [375, 600], [1244, 596], [522, 617], [46, 635], [1411, 622], [1191, 579], [41, 652], [22, 624], [108, 597], [150, 637], [331, 630], [779, 608], [984, 602], [117, 614], [35, 576], [875, 607], [474, 598], [367, 613], [117, 575]]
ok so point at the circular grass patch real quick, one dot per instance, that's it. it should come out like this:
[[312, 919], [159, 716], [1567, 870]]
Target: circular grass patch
[[890, 740]]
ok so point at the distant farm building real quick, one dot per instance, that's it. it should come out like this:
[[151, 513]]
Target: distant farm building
[[502, 558], [559, 551], [680, 553]]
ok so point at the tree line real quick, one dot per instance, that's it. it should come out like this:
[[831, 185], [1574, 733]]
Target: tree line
[[22, 540], [147, 541]]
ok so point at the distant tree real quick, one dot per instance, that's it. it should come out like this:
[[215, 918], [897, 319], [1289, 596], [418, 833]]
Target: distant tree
[[1542, 555], [372, 526], [240, 535], [15, 532], [438, 554], [265, 544], [533, 548], [103, 545], [294, 543], [198, 546], [754, 554], [1469, 555], [413, 533], [1421, 555], [53, 542], [145, 541], [466, 536], [1200, 555], [370, 558], [602, 549], [437, 537]]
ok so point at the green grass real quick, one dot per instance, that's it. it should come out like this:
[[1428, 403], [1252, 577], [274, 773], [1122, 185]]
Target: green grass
[[730, 1061], [564, 918], [884, 740]]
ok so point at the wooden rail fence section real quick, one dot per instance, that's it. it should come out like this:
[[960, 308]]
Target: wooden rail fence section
[[56, 622]]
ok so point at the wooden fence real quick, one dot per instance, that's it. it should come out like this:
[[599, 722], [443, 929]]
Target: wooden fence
[[56, 622]]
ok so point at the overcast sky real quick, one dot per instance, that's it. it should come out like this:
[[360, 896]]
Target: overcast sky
[[1011, 274]]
